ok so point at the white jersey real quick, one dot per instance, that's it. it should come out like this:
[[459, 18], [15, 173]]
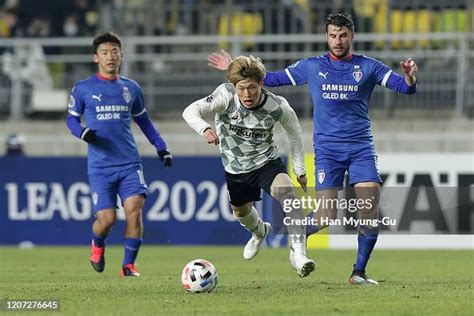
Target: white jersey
[[246, 135]]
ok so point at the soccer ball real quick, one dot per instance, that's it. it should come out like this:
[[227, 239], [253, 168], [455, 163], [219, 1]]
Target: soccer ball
[[199, 276]]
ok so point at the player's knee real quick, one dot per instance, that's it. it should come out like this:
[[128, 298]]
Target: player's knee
[[133, 212], [284, 194], [241, 211], [107, 218], [370, 211], [281, 186]]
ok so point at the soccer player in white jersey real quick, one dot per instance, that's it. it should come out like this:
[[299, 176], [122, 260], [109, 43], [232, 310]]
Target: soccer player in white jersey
[[109, 102], [245, 116], [340, 85]]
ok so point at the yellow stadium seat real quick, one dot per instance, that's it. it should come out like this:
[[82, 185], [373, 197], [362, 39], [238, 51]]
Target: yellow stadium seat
[[396, 22], [462, 20], [436, 22], [448, 20], [4, 29], [424, 25], [380, 21], [408, 26], [241, 23]]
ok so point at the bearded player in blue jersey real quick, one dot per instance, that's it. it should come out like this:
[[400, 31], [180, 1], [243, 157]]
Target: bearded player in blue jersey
[[340, 85], [108, 103]]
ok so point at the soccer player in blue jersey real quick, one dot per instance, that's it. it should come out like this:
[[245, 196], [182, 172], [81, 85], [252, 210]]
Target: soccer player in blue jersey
[[340, 85], [108, 103]]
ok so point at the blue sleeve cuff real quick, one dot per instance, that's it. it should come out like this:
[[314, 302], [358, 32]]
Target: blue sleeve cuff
[[147, 127]]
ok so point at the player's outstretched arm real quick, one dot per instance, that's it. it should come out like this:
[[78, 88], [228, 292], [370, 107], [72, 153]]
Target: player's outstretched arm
[[222, 60], [219, 61], [405, 83]]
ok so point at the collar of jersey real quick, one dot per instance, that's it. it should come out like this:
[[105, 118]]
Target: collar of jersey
[[334, 58], [105, 78], [265, 97]]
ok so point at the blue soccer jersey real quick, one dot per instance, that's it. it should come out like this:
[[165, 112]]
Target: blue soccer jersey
[[108, 107], [340, 91]]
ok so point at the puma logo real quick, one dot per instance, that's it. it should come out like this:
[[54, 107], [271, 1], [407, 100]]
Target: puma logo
[[97, 97], [323, 75]]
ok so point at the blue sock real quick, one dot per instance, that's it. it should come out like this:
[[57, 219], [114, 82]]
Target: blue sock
[[367, 239], [310, 228], [99, 241], [132, 245]]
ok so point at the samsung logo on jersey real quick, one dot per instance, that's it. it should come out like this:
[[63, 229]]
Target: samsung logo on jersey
[[111, 108], [340, 87], [247, 133]]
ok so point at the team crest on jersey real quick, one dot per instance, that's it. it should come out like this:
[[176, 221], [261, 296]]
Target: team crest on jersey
[[321, 176], [357, 74], [126, 95], [95, 198], [72, 102], [268, 121]]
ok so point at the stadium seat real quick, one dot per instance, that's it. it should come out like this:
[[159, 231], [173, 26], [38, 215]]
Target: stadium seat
[[462, 19], [424, 25], [240, 23], [408, 26], [380, 22], [396, 22]]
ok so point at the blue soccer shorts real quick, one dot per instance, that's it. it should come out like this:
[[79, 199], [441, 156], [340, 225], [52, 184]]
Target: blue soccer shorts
[[331, 167], [125, 183]]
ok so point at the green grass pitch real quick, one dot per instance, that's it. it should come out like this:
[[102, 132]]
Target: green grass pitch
[[416, 282]]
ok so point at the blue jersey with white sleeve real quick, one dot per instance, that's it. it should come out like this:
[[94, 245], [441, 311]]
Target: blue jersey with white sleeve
[[340, 92], [108, 107]]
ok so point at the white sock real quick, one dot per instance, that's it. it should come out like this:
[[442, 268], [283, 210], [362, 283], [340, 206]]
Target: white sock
[[252, 223], [297, 233], [298, 243]]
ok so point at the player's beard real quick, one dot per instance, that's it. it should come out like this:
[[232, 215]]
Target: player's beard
[[341, 54]]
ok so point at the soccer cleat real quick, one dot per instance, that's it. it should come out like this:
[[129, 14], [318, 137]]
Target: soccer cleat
[[360, 278], [301, 264], [129, 270], [254, 244], [97, 258]]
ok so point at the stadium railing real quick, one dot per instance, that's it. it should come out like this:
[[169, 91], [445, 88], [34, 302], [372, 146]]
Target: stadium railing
[[173, 71]]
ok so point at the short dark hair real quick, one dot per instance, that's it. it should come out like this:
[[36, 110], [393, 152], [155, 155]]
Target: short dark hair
[[341, 20], [106, 37]]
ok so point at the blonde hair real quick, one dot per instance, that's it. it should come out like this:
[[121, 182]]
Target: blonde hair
[[243, 67]]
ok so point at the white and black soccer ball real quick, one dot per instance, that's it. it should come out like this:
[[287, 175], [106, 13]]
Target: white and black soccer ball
[[199, 276]]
